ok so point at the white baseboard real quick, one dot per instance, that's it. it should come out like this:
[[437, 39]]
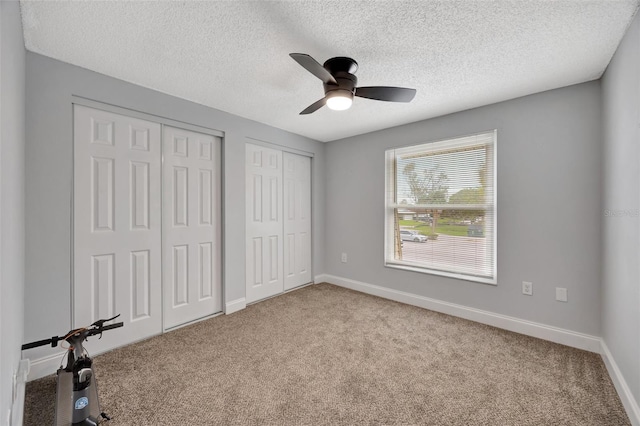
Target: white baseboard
[[235, 306], [45, 366], [628, 401], [320, 278], [17, 408], [529, 328]]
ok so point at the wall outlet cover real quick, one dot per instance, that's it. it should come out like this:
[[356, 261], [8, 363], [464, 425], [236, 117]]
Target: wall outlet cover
[[561, 294]]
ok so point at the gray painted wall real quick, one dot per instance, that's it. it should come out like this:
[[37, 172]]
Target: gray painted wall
[[50, 86], [549, 184], [12, 142], [621, 237]]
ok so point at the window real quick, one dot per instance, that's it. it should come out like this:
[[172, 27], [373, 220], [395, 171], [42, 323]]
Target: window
[[440, 208]]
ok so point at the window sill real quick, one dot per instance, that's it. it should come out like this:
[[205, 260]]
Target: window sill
[[408, 267]]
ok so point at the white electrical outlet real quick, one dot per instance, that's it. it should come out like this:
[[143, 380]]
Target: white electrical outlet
[[527, 288], [561, 294], [344, 258]]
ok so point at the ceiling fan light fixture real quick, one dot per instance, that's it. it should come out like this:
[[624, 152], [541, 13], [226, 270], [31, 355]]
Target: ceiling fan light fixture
[[340, 84], [339, 100]]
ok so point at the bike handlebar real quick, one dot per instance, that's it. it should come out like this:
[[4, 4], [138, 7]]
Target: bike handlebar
[[41, 343], [55, 339], [104, 328]]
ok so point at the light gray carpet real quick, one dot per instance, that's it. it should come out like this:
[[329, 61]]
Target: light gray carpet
[[324, 355]]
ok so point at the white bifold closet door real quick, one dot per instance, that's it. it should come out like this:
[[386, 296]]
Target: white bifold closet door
[[278, 228], [117, 225], [144, 232], [191, 226]]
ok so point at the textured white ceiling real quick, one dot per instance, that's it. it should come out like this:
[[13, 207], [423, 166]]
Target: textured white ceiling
[[234, 55]]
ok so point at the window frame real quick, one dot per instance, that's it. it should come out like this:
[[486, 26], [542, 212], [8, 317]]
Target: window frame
[[390, 204]]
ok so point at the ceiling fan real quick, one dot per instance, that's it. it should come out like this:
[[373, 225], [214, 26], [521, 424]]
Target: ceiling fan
[[339, 80]]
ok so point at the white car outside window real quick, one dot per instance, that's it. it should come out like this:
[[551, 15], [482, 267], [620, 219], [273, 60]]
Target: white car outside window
[[407, 235]]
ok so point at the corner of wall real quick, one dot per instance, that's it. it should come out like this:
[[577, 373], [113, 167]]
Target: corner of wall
[[620, 224], [619, 382], [12, 229]]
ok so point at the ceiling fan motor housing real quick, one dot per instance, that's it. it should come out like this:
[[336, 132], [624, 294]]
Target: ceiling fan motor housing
[[342, 69]]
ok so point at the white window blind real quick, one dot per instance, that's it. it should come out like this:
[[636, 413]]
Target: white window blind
[[440, 207]]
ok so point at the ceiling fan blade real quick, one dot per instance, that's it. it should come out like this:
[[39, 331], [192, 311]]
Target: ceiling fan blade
[[314, 106], [313, 67], [385, 93]]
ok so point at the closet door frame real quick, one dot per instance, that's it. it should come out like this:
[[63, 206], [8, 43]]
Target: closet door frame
[[79, 100], [162, 121], [311, 155]]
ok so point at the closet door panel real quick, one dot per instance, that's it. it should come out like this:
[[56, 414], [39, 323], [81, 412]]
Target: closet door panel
[[117, 234], [264, 245], [297, 220], [191, 226]]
